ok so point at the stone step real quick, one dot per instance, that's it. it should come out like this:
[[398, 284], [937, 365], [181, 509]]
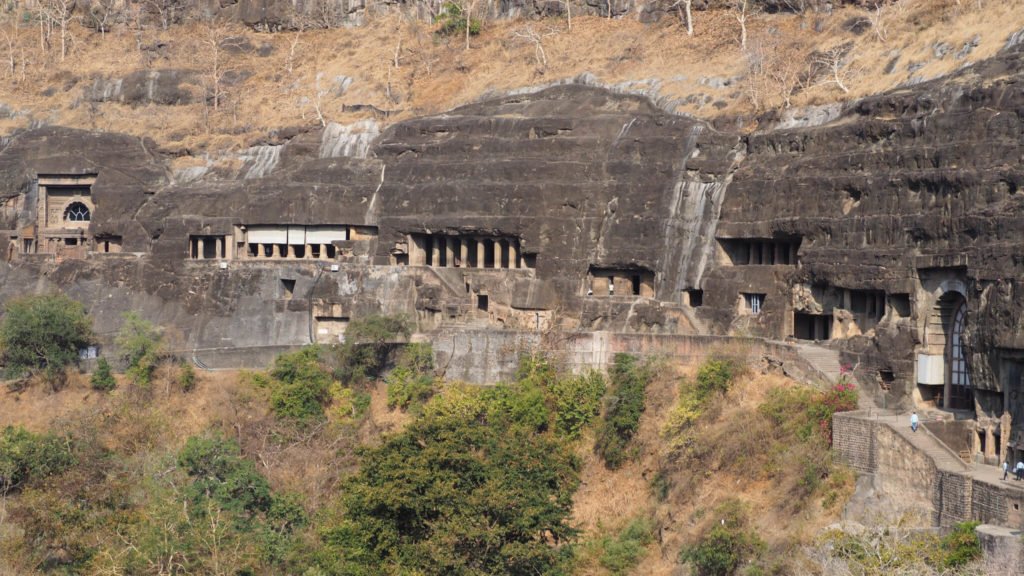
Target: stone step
[[924, 441]]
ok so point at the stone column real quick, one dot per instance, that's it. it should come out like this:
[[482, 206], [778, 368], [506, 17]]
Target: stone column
[[778, 252], [275, 251], [480, 259], [435, 251], [219, 244], [792, 254], [513, 254], [751, 259], [449, 252], [200, 247], [464, 252], [497, 254]]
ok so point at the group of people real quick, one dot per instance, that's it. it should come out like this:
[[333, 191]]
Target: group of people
[[1018, 470]]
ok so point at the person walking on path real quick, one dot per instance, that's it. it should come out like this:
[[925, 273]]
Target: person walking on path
[[913, 421], [1006, 468], [1019, 470]]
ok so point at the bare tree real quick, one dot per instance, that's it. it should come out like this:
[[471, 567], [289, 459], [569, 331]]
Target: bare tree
[[102, 14], [12, 41], [741, 17], [532, 36], [877, 23], [680, 5], [169, 11], [56, 14], [833, 66]]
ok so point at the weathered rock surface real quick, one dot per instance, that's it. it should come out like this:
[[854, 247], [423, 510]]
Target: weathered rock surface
[[902, 200]]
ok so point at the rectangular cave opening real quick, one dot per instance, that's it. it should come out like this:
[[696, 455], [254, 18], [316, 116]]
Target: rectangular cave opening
[[488, 254], [287, 288], [300, 250], [71, 241], [886, 378], [869, 304], [761, 251], [331, 329], [694, 297], [812, 326], [900, 304], [529, 260], [481, 302], [108, 244], [332, 251]]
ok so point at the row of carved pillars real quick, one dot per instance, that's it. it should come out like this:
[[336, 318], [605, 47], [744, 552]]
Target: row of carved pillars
[[464, 252], [291, 251]]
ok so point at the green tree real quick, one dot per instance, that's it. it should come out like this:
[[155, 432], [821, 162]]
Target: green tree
[[43, 333], [368, 345], [411, 382], [103, 379], [300, 386], [140, 345], [622, 414], [456, 493], [24, 455]]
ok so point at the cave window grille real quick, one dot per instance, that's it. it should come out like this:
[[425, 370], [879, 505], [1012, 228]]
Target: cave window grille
[[754, 302], [77, 212]]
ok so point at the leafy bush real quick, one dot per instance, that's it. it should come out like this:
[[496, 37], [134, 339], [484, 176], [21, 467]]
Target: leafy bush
[[960, 546], [629, 382], [187, 377], [453, 21], [43, 333], [140, 345], [368, 345], [577, 401], [713, 380], [103, 379], [715, 376], [300, 386], [804, 412], [24, 456], [621, 554], [726, 545], [219, 472], [411, 382]]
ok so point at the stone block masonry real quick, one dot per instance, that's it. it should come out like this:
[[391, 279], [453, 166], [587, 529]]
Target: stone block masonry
[[915, 478]]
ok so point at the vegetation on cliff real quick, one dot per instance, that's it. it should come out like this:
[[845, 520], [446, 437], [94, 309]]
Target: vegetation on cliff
[[281, 473]]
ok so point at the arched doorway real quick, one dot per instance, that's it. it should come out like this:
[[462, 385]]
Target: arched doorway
[[958, 392]]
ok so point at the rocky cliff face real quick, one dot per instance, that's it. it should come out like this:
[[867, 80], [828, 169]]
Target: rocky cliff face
[[891, 230]]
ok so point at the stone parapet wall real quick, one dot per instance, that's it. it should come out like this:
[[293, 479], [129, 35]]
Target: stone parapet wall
[[853, 439], [903, 484]]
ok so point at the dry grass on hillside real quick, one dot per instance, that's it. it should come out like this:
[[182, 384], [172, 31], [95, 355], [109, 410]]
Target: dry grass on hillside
[[608, 500], [399, 64], [162, 418]]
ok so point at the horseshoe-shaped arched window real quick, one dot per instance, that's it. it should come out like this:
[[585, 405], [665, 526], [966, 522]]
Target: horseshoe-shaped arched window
[[77, 212]]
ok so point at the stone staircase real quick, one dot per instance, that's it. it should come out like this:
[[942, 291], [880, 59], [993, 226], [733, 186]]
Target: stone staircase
[[824, 360], [926, 442]]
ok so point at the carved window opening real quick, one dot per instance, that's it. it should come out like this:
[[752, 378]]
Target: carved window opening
[[77, 212], [482, 302], [624, 282], [287, 288], [753, 302]]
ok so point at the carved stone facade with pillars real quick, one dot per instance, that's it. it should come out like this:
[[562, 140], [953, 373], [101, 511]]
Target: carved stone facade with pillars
[[64, 210]]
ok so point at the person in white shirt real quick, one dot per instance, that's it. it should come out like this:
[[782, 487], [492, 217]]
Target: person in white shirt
[[913, 421]]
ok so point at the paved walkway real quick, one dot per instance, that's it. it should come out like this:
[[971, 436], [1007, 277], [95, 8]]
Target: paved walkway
[[944, 457]]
